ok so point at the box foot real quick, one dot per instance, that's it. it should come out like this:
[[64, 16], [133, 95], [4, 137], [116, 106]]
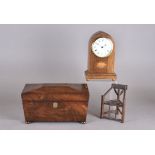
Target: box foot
[[83, 122], [27, 122]]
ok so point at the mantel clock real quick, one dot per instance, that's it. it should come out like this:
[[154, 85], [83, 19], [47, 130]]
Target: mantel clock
[[101, 57]]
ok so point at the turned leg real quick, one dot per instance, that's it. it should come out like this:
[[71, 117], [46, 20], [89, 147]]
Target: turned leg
[[102, 107], [123, 113]]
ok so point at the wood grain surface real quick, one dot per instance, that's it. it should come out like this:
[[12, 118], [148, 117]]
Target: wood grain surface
[[55, 102]]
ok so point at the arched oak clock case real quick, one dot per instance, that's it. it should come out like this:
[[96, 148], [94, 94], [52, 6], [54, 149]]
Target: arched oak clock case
[[100, 67]]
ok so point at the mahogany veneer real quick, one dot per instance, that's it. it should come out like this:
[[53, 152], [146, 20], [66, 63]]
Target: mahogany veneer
[[55, 102]]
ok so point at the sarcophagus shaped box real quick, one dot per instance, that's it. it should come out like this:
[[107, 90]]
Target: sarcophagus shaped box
[[55, 102]]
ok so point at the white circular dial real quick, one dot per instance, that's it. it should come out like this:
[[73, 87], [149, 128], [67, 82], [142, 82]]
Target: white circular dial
[[102, 47]]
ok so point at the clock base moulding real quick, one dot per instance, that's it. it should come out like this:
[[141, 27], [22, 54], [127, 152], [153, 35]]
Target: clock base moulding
[[100, 76]]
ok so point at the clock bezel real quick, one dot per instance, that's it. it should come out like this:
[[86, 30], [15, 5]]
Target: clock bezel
[[94, 51]]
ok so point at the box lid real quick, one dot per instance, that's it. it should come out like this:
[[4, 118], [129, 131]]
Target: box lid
[[56, 92]]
